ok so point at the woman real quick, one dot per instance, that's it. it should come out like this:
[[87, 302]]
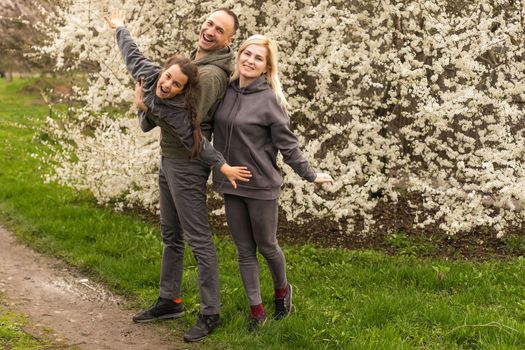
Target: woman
[[169, 95], [251, 127]]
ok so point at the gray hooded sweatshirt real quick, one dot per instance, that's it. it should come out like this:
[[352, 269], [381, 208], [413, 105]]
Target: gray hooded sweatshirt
[[250, 128], [169, 114], [214, 71]]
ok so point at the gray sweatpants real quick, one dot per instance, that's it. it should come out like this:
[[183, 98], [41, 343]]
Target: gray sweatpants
[[183, 208], [253, 225]]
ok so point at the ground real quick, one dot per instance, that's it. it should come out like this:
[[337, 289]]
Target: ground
[[68, 308], [74, 311]]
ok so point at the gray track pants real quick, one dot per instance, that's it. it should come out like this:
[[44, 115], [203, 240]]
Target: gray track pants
[[253, 225], [183, 207]]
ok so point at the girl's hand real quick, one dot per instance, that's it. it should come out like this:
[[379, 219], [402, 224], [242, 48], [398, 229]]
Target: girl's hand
[[233, 173], [115, 20], [323, 178], [139, 95]]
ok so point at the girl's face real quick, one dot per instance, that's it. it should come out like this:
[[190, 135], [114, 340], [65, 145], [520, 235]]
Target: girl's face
[[253, 62], [171, 82]]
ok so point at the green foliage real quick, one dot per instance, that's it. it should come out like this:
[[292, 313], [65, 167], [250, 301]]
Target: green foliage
[[404, 244], [515, 244], [343, 299], [12, 333]]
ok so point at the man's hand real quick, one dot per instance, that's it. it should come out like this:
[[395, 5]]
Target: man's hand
[[233, 173], [115, 19], [139, 95]]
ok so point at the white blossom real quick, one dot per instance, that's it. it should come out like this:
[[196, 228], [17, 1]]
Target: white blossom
[[385, 96]]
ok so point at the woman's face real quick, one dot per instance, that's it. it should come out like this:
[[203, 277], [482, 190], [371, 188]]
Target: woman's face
[[253, 62], [171, 82]]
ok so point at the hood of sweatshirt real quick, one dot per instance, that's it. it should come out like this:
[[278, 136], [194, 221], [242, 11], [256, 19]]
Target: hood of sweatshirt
[[258, 85], [222, 58]]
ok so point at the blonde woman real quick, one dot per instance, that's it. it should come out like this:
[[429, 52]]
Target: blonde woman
[[251, 127]]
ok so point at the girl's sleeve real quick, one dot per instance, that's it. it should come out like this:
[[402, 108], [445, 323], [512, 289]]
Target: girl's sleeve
[[287, 143], [145, 121], [138, 65], [178, 122]]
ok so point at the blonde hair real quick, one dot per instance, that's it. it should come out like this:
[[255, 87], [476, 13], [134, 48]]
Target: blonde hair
[[272, 72]]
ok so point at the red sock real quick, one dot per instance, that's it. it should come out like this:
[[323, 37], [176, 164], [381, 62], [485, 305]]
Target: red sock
[[280, 293], [257, 311]]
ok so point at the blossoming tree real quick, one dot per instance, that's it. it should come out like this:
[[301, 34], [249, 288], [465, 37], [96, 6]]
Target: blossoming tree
[[391, 97]]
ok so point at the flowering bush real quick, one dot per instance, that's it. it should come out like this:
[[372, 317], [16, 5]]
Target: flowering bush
[[386, 95]]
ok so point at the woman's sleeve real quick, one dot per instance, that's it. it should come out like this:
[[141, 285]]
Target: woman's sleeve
[[178, 122], [138, 65], [287, 143]]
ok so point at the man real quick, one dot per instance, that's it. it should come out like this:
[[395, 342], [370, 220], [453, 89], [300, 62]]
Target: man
[[214, 59]]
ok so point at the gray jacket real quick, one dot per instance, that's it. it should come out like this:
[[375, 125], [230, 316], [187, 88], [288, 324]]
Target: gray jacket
[[169, 114], [214, 70], [250, 128]]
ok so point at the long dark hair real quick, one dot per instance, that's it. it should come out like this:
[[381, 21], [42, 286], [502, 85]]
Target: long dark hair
[[191, 96]]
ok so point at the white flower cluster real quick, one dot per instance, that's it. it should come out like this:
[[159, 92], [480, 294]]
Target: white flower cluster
[[389, 97], [113, 161]]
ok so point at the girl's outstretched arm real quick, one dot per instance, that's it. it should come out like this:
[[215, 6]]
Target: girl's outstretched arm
[[138, 65]]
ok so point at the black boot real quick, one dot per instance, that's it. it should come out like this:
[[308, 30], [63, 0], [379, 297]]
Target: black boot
[[205, 325], [283, 306]]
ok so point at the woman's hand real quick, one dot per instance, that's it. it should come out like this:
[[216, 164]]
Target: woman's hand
[[115, 19], [323, 178], [139, 95], [233, 173]]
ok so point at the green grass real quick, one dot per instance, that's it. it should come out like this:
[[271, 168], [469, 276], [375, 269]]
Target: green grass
[[13, 334], [343, 299]]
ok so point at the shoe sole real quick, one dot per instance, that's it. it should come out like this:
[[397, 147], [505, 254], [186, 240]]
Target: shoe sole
[[163, 317], [193, 340]]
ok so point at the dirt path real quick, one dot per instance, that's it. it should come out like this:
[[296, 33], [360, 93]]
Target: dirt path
[[78, 312]]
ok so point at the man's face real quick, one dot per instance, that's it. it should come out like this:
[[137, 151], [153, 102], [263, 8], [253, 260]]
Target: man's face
[[216, 32]]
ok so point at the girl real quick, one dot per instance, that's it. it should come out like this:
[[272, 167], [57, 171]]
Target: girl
[[251, 126]]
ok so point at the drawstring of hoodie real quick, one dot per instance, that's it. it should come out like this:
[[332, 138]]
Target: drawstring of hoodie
[[229, 127], [230, 123]]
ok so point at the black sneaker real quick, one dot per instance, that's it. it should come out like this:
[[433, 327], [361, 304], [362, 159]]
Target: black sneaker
[[283, 306], [205, 325], [162, 309], [255, 322]]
